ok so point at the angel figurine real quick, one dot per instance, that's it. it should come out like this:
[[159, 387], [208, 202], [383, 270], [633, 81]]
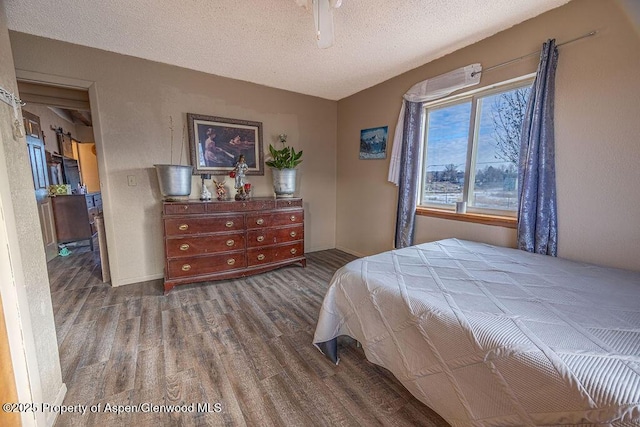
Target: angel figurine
[[221, 192]]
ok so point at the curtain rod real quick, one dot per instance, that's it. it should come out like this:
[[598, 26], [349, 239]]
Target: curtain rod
[[589, 34]]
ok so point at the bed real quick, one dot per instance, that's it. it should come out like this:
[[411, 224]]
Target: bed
[[491, 336]]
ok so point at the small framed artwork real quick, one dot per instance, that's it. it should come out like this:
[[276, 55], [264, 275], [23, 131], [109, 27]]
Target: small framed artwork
[[216, 143], [373, 143]]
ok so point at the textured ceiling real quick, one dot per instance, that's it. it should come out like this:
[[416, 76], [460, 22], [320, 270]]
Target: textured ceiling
[[272, 42]]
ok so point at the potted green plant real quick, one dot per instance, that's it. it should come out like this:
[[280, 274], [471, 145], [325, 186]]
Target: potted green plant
[[283, 164]]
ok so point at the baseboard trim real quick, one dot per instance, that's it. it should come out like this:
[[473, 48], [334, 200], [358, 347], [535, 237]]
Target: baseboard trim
[[134, 280], [51, 418], [350, 252], [319, 248]]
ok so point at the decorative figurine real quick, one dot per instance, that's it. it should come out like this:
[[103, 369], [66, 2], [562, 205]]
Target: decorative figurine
[[221, 192], [238, 172], [205, 194]]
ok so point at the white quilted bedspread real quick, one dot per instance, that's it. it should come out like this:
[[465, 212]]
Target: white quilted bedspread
[[490, 336]]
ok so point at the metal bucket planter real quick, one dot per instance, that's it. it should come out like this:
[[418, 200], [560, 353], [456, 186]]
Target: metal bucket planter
[[174, 180], [284, 182]]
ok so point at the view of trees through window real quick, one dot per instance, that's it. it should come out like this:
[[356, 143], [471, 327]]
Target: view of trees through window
[[495, 147]]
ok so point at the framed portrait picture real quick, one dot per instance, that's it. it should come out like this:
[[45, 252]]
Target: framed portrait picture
[[216, 143], [373, 143]]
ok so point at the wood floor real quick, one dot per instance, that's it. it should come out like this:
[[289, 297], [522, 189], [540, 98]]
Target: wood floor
[[243, 344]]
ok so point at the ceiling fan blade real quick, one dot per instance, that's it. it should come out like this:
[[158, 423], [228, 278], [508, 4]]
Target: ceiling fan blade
[[323, 18]]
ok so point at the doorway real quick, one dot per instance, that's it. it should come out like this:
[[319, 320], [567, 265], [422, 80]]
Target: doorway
[[64, 162], [62, 128]]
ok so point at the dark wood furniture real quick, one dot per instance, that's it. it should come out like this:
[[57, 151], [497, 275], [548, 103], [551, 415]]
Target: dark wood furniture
[[227, 239], [75, 216]]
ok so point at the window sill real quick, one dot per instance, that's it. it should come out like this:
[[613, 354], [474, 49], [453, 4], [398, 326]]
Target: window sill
[[500, 221]]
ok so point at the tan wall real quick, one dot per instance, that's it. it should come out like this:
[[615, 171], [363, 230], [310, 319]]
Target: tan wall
[[47, 119], [84, 133], [134, 99], [24, 284], [632, 10], [597, 146]]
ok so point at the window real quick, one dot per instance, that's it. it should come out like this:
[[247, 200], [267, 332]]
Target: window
[[471, 150]]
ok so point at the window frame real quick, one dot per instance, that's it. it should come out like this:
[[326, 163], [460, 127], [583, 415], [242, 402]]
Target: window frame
[[488, 216]]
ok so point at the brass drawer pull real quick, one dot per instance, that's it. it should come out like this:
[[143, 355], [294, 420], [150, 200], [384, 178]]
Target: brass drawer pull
[[186, 207], [260, 257], [260, 238], [292, 218], [229, 224], [231, 261], [184, 246], [292, 234], [230, 242], [293, 251], [183, 227], [260, 221], [186, 267]]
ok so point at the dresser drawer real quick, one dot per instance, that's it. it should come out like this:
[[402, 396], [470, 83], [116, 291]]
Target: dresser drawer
[[210, 224], [288, 217], [184, 208], [259, 220], [245, 205], [288, 203], [269, 219], [201, 245], [270, 236], [97, 200], [258, 256], [195, 266]]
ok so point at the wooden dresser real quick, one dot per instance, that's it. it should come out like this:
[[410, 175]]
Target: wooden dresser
[[75, 216], [221, 240]]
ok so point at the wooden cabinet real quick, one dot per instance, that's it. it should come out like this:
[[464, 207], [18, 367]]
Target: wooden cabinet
[[221, 240], [75, 217]]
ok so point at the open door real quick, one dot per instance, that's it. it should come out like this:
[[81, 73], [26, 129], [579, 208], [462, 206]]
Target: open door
[[38, 160]]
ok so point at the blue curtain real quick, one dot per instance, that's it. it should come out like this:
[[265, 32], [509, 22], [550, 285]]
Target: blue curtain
[[410, 162], [537, 214]]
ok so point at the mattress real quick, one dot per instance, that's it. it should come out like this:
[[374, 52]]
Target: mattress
[[491, 336]]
